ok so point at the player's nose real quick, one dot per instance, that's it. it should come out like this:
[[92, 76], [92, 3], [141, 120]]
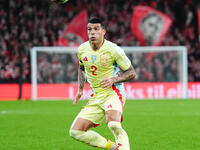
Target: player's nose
[[92, 33]]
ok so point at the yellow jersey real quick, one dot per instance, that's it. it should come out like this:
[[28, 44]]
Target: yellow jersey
[[103, 63]]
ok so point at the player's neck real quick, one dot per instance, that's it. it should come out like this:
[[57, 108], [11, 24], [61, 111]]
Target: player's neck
[[96, 46]]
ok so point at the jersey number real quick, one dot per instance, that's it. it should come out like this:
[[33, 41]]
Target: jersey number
[[94, 68]]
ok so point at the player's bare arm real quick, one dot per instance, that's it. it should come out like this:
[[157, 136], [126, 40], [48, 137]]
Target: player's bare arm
[[81, 83], [124, 76]]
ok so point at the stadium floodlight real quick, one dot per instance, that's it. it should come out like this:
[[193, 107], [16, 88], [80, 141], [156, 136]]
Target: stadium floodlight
[[158, 70]]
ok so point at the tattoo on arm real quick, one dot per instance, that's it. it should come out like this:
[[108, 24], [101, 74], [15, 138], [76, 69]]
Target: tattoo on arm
[[81, 78], [125, 75]]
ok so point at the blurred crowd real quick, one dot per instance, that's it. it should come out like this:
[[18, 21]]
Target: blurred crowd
[[28, 23], [56, 68]]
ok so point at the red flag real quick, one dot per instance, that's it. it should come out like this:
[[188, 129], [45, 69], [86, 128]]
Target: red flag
[[76, 32], [149, 26], [199, 22]]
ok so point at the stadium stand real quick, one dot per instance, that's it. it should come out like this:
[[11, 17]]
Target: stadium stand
[[24, 24]]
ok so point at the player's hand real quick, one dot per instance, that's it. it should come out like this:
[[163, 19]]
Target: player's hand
[[107, 83], [78, 96]]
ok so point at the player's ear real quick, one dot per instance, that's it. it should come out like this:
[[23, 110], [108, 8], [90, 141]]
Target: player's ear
[[104, 31]]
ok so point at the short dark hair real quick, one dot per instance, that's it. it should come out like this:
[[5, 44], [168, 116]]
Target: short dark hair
[[97, 20]]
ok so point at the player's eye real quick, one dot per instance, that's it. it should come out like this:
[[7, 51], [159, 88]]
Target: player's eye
[[96, 28]]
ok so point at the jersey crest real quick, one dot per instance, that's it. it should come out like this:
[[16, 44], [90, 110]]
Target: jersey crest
[[103, 60]]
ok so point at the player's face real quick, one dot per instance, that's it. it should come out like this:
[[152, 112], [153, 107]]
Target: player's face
[[95, 32]]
